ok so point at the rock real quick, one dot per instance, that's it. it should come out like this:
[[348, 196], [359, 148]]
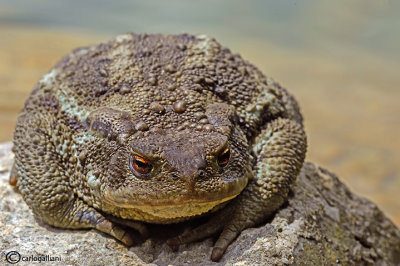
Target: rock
[[322, 223]]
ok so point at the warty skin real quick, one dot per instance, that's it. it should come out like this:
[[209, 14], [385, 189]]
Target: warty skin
[[157, 129]]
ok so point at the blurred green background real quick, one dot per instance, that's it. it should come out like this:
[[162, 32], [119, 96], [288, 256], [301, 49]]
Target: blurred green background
[[341, 59]]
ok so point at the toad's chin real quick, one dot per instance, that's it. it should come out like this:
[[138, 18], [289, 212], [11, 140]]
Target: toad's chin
[[172, 210], [177, 212]]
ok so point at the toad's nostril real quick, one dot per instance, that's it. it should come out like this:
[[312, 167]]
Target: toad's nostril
[[175, 176], [201, 173]]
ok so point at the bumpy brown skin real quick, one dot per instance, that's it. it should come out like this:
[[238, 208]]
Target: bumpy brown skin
[[178, 101]]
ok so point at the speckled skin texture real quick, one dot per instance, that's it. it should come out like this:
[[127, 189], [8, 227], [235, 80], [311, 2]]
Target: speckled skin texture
[[157, 129]]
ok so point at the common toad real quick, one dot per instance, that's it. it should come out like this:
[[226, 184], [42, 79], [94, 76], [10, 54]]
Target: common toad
[[157, 129]]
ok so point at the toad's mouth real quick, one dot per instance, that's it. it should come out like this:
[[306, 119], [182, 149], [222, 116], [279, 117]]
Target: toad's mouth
[[152, 208]]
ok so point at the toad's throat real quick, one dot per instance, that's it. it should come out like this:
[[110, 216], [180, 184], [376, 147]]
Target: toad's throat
[[156, 208], [160, 213]]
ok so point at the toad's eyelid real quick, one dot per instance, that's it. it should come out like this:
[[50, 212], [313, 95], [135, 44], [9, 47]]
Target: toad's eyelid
[[135, 152], [227, 148], [223, 148]]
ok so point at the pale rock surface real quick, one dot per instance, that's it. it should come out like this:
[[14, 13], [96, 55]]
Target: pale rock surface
[[323, 223]]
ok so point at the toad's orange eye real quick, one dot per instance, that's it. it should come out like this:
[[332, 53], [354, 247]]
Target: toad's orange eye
[[224, 157], [140, 165]]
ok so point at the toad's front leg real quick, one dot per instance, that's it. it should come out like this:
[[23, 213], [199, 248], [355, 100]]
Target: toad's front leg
[[42, 176], [280, 151]]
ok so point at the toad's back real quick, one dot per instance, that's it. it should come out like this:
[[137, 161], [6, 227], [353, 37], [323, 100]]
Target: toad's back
[[161, 80], [157, 128]]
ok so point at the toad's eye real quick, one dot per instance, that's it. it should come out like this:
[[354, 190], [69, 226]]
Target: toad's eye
[[140, 165], [224, 157]]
